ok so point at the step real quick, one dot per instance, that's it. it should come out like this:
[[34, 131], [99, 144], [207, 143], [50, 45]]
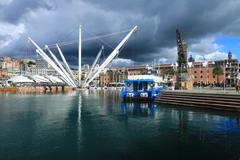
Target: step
[[202, 104], [197, 99], [202, 94], [197, 106]]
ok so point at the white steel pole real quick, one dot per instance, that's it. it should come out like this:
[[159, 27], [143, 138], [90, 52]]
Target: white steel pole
[[50, 62], [112, 55], [64, 61], [80, 55], [61, 67], [93, 66]]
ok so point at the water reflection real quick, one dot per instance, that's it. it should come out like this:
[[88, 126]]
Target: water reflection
[[138, 109], [98, 125]]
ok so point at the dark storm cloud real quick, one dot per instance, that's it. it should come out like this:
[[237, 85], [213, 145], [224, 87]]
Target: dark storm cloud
[[53, 21], [13, 12]]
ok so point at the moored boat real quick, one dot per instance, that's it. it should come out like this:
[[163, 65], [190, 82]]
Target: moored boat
[[142, 87]]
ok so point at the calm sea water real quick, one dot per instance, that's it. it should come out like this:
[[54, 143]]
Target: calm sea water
[[97, 125]]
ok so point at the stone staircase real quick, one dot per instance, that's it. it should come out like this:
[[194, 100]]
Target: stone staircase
[[230, 102]]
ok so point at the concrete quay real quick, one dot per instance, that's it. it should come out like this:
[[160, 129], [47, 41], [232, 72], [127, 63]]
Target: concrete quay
[[36, 89], [206, 98]]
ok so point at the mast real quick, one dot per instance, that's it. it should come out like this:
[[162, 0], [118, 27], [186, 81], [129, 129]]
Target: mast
[[80, 55]]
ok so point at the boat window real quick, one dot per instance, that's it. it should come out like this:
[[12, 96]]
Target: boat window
[[145, 85], [135, 86], [140, 86]]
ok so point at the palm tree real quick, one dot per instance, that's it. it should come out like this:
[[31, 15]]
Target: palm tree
[[217, 71]]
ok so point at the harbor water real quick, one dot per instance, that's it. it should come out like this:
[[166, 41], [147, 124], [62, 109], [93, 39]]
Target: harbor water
[[91, 125]]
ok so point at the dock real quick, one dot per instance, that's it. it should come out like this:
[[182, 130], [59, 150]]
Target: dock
[[220, 101]]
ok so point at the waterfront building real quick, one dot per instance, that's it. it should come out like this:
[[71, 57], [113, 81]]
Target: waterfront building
[[201, 73], [3, 74], [112, 75], [232, 70], [42, 68], [12, 65], [136, 70]]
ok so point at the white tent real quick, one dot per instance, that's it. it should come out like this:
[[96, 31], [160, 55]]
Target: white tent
[[54, 79], [20, 79], [40, 79]]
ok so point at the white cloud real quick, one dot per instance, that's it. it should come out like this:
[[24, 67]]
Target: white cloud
[[207, 48], [122, 62], [217, 55], [10, 33]]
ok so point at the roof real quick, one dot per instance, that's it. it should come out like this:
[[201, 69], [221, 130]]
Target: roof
[[40, 79], [54, 79], [20, 79], [145, 77]]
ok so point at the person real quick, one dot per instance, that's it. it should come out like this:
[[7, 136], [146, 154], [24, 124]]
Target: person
[[237, 88]]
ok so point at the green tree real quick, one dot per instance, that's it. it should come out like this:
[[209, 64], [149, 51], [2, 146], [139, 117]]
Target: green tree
[[30, 63], [217, 71], [144, 72], [171, 72]]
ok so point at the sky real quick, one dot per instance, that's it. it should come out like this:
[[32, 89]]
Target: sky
[[211, 28]]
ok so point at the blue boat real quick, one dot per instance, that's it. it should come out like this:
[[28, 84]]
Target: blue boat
[[142, 87]]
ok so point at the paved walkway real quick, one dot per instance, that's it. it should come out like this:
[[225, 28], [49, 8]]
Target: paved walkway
[[211, 90]]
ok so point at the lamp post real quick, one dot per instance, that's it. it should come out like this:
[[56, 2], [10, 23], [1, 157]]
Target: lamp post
[[181, 76], [201, 77], [224, 78]]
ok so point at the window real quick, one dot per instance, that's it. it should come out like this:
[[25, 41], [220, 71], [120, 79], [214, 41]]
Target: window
[[195, 77], [201, 71], [201, 76], [195, 71], [213, 76]]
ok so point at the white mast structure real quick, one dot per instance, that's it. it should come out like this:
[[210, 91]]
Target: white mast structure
[[61, 67], [64, 61], [80, 55], [112, 55], [93, 65], [50, 62]]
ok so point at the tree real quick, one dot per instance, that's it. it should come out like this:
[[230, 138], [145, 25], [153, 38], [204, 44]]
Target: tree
[[217, 71], [144, 72], [30, 63], [171, 72], [165, 72]]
